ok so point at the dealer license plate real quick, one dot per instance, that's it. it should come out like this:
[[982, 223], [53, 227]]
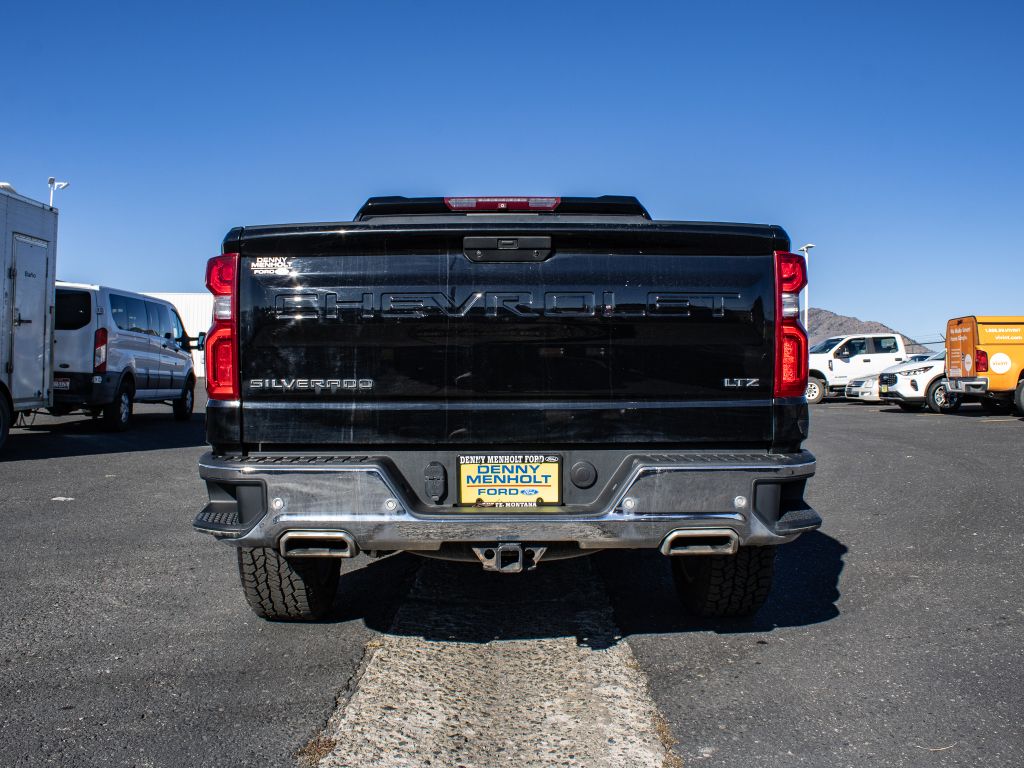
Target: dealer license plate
[[62, 383], [510, 479]]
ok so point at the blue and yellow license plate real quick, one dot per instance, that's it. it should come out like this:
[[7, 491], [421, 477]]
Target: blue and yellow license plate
[[510, 479]]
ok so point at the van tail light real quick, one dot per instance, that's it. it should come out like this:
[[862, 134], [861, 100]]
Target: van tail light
[[790, 336], [99, 351], [980, 361], [221, 341]]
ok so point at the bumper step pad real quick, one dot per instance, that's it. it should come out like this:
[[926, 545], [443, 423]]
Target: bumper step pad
[[219, 522]]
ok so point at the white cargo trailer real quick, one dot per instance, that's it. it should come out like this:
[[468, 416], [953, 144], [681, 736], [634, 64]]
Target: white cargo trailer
[[27, 259]]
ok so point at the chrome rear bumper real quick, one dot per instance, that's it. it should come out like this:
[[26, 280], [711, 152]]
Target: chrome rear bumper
[[758, 496], [974, 386]]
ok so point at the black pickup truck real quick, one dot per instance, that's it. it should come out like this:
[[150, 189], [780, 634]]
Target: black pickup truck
[[506, 381]]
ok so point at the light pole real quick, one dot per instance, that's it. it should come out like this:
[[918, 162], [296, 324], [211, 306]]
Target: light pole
[[806, 251], [55, 185]]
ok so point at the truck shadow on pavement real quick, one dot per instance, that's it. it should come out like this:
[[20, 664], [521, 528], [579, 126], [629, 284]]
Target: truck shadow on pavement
[[805, 591], [599, 600], [47, 437]]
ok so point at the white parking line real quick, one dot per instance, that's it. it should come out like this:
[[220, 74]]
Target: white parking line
[[557, 687]]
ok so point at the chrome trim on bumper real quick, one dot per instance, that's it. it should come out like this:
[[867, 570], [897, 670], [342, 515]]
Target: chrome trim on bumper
[[705, 541], [653, 497], [974, 386]]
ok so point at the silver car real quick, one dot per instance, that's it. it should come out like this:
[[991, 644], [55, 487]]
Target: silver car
[[864, 389]]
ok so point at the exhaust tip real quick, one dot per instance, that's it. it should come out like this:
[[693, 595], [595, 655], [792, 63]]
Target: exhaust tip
[[318, 544], [701, 541]]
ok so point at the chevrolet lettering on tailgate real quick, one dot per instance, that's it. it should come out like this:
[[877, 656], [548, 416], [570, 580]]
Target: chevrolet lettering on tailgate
[[510, 480]]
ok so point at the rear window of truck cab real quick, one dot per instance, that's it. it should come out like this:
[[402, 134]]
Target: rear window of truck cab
[[886, 345]]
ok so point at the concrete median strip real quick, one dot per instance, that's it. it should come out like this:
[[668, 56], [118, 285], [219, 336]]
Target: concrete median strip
[[482, 669]]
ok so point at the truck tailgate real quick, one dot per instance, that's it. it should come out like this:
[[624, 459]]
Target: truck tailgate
[[366, 338]]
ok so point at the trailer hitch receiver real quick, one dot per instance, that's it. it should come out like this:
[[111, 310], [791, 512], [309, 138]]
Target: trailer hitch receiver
[[509, 557]]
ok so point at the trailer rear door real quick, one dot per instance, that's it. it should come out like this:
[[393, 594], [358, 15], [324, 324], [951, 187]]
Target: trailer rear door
[[30, 321]]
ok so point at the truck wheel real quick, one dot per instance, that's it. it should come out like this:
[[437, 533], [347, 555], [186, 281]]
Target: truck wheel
[[280, 589], [815, 390], [117, 415], [1018, 398], [5, 421], [724, 586], [184, 404], [910, 406], [940, 399]]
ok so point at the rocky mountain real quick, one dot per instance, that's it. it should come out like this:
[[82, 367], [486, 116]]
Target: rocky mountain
[[824, 324]]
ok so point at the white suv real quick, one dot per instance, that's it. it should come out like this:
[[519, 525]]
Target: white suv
[[915, 384], [836, 361], [114, 348]]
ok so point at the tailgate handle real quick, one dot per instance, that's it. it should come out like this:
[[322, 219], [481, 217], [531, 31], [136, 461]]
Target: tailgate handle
[[507, 248]]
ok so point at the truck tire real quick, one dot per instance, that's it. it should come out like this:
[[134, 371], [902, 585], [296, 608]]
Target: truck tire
[[183, 405], [725, 586], [815, 390], [1018, 398], [117, 415], [279, 589], [5, 420], [940, 400]]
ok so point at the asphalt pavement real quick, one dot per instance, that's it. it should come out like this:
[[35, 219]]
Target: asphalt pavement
[[893, 636]]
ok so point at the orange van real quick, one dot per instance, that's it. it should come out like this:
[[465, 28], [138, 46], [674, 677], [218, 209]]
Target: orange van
[[985, 358]]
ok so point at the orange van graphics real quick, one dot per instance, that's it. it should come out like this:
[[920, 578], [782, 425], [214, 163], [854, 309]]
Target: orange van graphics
[[985, 358]]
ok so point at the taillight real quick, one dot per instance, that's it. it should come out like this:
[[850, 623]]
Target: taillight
[[221, 347], [790, 336], [99, 351], [502, 203], [980, 361]]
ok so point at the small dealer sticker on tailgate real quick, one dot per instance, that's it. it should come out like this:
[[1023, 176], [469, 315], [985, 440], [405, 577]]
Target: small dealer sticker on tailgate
[[510, 480]]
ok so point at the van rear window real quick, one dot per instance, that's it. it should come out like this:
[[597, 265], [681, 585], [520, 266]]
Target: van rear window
[[72, 309]]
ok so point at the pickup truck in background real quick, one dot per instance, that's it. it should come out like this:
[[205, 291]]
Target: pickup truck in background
[[985, 360], [836, 361], [506, 381]]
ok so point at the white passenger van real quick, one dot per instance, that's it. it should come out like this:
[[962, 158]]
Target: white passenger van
[[114, 348]]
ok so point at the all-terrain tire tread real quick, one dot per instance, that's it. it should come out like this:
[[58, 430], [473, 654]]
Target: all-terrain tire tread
[[286, 590], [724, 586]]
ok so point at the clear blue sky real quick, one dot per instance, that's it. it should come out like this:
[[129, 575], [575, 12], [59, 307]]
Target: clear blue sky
[[892, 138]]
